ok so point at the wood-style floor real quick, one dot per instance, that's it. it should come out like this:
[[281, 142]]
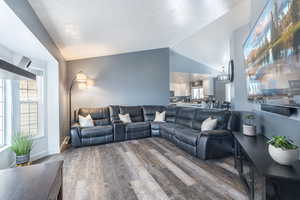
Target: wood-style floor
[[150, 169]]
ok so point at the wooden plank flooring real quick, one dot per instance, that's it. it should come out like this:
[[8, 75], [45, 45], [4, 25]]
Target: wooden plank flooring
[[146, 169]]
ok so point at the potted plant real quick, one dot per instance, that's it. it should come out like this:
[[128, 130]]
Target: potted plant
[[249, 127], [282, 150], [22, 146]]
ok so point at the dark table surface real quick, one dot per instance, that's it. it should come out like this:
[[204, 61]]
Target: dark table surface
[[256, 149], [28, 183]]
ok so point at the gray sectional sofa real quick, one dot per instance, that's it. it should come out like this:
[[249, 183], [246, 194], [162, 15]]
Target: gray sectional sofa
[[182, 126]]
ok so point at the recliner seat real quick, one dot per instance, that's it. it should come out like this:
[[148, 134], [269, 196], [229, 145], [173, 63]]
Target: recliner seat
[[101, 133], [137, 129]]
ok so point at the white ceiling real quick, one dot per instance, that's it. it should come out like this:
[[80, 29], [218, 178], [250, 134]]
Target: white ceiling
[[211, 44], [14, 32], [83, 29]]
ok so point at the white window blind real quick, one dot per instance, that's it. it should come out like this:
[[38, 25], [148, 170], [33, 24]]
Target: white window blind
[[2, 113], [29, 100]]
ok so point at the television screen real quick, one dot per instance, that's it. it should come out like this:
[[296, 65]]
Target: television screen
[[272, 54]]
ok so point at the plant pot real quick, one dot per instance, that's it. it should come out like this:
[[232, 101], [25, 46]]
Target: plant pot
[[22, 159], [249, 130], [283, 157]]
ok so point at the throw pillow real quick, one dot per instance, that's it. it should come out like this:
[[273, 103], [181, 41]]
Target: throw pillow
[[209, 124], [86, 121], [125, 118], [160, 117]]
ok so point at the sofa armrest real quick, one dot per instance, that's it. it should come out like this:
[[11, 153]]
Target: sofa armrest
[[214, 144], [216, 133], [75, 135]]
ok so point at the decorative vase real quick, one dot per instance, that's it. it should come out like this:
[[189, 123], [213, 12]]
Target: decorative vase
[[283, 157], [249, 130], [22, 159]]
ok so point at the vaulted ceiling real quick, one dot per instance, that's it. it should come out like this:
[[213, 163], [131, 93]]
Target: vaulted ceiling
[[211, 44], [83, 29]]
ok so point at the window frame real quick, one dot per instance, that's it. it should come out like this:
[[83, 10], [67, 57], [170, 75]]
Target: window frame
[[40, 102], [4, 136]]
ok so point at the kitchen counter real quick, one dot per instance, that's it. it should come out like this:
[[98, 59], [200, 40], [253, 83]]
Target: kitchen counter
[[189, 105]]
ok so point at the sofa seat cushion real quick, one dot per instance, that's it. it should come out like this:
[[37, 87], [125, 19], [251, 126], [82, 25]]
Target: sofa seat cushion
[[156, 125], [137, 127], [170, 127], [187, 135], [96, 131]]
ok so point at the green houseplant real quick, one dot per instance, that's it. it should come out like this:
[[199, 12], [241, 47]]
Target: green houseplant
[[249, 127], [283, 150], [249, 119], [21, 146]]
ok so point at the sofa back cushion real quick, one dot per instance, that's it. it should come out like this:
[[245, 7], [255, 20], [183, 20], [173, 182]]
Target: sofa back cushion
[[149, 111], [135, 112], [203, 114], [114, 111], [100, 115], [185, 116], [171, 111]]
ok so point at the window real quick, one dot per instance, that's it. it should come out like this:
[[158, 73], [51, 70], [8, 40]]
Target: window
[[29, 103], [2, 113], [197, 93]]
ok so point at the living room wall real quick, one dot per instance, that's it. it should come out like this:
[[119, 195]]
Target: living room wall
[[270, 124], [129, 79]]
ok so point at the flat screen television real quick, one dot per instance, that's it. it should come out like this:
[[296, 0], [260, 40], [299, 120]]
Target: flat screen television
[[272, 55]]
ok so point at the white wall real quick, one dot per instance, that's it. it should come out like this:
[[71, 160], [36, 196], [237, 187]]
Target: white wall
[[53, 102]]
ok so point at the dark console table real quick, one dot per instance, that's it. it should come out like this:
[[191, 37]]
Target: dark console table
[[36, 182], [276, 181]]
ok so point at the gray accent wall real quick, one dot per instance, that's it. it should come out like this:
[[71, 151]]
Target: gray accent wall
[[269, 124], [181, 63], [137, 78]]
